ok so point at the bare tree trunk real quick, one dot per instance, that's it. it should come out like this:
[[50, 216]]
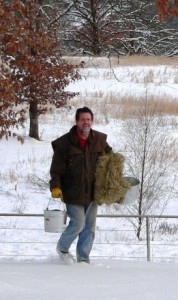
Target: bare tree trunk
[[140, 220], [33, 111]]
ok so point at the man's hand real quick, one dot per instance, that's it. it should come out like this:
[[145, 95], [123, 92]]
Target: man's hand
[[56, 193]]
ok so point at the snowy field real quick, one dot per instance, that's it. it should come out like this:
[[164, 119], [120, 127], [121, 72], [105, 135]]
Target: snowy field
[[105, 281], [31, 270]]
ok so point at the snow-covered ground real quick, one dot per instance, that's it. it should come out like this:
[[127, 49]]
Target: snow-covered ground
[[110, 280], [24, 177]]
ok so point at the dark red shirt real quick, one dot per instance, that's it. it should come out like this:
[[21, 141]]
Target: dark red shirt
[[81, 141]]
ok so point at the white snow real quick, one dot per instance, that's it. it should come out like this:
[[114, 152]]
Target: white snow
[[22, 168], [114, 280]]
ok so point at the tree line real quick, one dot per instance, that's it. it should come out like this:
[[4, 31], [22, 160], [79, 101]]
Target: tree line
[[116, 27]]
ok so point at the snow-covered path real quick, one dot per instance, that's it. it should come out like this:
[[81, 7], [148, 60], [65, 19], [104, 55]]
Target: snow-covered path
[[109, 280]]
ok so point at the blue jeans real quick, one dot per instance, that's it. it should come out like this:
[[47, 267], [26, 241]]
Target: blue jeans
[[82, 225]]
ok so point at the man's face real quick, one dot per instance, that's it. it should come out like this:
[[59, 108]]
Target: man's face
[[84, 123]]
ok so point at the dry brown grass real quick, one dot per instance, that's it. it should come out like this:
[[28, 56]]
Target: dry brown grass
[[110, 105], [148, 60], [130, 107], [104, 62]]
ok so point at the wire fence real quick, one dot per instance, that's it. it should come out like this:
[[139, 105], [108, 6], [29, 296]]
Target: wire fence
[[22, 236]]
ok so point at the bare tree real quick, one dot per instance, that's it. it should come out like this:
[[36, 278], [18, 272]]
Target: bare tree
[[95, 27], [150, 153], [90, 27], [146, 34]]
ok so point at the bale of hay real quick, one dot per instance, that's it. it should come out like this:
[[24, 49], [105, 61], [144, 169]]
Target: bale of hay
[[110, 185]]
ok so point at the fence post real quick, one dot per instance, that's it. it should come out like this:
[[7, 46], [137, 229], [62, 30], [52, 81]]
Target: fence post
[[148, 238]]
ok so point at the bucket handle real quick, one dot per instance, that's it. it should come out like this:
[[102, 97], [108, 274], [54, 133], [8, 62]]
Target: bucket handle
[[50, 199]]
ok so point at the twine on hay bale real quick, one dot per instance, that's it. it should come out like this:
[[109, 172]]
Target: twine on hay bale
[[110, 186]]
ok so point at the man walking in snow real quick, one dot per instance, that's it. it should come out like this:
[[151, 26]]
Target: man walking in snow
[[72, 179]]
